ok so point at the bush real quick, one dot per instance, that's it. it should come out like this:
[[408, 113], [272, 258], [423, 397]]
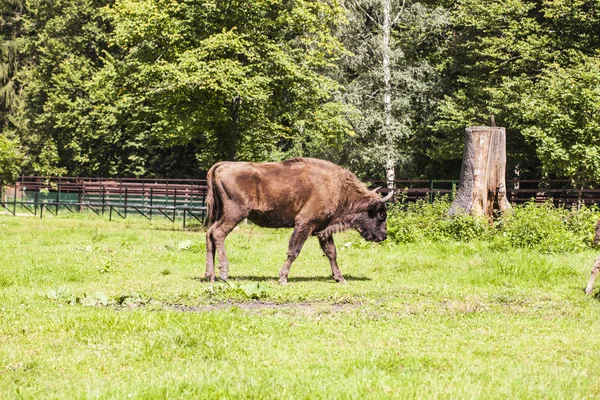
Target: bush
[[543, 227], [422, 220], [547, 228]]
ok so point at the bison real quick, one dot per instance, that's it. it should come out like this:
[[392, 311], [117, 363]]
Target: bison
[[596, 267], [314, 197]]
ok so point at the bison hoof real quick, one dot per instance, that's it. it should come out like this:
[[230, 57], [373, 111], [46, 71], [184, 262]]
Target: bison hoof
[[283, 281], [589, 290]]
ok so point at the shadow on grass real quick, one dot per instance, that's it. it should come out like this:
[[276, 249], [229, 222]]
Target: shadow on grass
[[254, 278]]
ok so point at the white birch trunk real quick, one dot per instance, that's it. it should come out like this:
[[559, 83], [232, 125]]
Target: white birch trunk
[[390, 159]]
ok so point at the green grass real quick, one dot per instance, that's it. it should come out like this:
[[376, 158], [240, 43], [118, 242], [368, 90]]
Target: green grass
[[421, 320]]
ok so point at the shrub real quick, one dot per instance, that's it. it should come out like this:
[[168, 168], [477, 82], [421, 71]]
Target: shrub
[[547, 228], [422, 220], [542, 227]]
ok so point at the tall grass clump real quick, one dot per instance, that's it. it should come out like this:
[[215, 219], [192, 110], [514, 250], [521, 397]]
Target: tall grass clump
[[546, 228], [415, 222], [540, 227]]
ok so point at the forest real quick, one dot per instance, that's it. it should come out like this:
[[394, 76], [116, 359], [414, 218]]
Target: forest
[[165, 88]]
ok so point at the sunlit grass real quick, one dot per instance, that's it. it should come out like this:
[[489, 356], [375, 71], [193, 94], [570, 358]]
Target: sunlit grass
[[425, 320]]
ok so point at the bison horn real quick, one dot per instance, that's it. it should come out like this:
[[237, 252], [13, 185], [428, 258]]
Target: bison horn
[[376, 189], [388, 197]]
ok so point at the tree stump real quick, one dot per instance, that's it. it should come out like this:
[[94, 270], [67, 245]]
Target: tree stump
[[483, 173]]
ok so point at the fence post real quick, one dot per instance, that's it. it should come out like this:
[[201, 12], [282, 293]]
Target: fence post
[[103, 198], [126, 202], [151, 198], [58, 196], [15, 201], [174, 205], [79, 197]]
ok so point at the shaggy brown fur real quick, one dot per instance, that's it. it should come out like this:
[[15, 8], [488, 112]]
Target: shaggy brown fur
[[314, 197]]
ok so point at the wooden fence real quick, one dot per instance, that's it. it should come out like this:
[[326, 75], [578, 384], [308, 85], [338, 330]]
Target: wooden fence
[[170, 198], [185, 198]]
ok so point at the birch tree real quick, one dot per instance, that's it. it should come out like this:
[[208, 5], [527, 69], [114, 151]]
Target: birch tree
[[391, 78]]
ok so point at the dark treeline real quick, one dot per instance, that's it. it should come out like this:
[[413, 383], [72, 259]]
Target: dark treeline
[[164, 88]]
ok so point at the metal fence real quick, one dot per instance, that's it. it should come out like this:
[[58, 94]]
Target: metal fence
[[184, 199], [170, 198]]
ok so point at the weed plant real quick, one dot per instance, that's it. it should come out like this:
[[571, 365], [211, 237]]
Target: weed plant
[[540, 227]]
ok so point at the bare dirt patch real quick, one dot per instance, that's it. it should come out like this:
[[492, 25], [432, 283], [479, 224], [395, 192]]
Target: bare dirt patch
[[259, 306]]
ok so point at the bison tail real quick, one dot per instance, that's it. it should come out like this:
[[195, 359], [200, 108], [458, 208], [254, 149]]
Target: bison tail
[[212, 198]]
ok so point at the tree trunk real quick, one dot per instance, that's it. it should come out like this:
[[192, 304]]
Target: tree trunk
[[483, 173], [390, 159]]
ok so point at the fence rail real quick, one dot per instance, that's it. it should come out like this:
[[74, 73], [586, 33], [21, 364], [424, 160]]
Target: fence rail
[[185, 198], [169, 198]]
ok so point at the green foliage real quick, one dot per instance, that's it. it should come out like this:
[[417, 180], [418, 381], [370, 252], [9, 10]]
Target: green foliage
[[12, 59], [531, 64], [64, 294], [416, 40], [561, 114], [165, 88], [415, 222], [547, 229], [544, 227], [242, 84], [10, 161]]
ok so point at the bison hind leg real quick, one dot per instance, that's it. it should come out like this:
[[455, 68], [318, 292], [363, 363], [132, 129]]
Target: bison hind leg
[[215, 239], [594, 275]]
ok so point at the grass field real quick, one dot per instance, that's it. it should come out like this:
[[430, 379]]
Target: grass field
[[98, 309]]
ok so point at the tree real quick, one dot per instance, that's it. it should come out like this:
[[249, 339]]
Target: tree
[[499, 52], [11, 46], [65, 41], [10, 161], [240, 79], [561, 114], [391, 79]]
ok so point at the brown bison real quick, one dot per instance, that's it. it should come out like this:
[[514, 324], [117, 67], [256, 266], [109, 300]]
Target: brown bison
[[314, 197]]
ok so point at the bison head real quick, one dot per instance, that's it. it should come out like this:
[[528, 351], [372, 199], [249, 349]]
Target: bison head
[[371, 224]]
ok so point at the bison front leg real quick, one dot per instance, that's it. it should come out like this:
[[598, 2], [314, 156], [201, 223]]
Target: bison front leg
[[299, 236], [329, 249], [595, 271]]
